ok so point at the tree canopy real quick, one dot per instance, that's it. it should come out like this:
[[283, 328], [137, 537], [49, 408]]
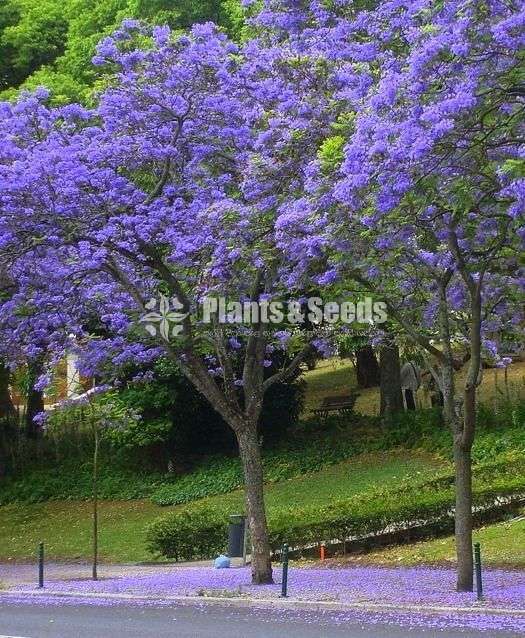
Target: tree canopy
[[341, 145]]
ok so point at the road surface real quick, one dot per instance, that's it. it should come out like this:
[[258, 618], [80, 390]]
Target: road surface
[[185, 621]]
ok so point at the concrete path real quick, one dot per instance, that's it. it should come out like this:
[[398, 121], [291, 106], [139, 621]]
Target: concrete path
[[12, 574]]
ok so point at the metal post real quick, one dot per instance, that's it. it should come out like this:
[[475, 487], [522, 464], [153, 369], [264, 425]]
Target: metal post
[[41, 564], [284, 588], [477, 565]]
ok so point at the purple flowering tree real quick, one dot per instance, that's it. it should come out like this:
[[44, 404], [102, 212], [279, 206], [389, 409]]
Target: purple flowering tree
[[418, 194], [436, 156], [152, 193]]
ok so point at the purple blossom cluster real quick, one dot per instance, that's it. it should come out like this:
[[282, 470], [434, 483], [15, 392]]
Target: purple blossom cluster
[[204, 158]]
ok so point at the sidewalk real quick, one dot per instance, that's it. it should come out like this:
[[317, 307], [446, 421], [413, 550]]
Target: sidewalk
[[15, 573], [410, 592]]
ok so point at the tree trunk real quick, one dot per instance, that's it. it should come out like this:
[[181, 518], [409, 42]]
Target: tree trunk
[[463, 448], [250, 454], [367, 367], [244, 425], [7, 409], [7, 413], [463, 480], [391, 397], [35, 400], [463, 437], [463, 515]]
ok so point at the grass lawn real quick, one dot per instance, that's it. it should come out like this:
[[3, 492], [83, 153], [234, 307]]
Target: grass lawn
[[341, 480], [502, 544], [65, 526], [334, 377]]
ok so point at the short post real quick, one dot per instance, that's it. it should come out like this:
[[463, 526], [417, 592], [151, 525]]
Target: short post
[[41, 564], [284, 560], [477, 565], [322, 551]]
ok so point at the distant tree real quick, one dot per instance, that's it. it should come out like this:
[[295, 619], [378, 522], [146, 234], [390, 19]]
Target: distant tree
[[391, 399], [51, 42], [32, 35], [367, 367]]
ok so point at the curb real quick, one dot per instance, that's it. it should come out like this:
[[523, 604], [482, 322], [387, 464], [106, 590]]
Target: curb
[[288, 603]]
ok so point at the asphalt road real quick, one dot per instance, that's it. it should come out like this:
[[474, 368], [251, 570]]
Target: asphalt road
[[90, 621]]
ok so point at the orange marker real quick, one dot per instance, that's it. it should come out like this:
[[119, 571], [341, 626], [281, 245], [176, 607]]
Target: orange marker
[[322, 551]]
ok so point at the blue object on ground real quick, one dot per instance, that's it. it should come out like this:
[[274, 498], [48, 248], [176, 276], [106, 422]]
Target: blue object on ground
[[221, 562]]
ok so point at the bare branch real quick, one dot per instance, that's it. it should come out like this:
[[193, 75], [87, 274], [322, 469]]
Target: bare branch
[[290, 369]]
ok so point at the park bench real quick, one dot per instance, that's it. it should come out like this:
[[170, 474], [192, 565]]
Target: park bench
[[340, 404]]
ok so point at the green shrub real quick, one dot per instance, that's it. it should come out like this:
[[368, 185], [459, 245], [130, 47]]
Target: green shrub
[[500, 429], [191, 533], [489, 446], [418, 428], [503, 412], [74, 481]]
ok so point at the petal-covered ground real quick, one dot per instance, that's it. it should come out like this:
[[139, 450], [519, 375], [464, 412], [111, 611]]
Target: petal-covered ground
[[415, 585], [396, 586]]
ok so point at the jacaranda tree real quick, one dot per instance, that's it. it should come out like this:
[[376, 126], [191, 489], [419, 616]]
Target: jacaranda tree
[[151, 194], [376, 143], [419, 191]]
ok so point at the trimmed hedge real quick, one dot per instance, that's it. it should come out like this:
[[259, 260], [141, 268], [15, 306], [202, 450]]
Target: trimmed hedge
[[199, 531], [191, 533]]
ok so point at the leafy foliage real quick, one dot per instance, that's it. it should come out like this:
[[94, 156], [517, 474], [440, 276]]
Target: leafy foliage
[[308, 451], [73, 480], [331, 152], [32, 35], [51, 42], [175, 414], [174, 536]]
